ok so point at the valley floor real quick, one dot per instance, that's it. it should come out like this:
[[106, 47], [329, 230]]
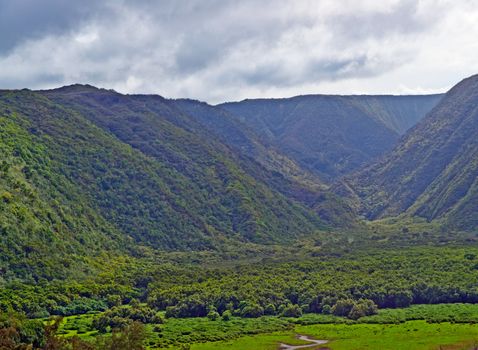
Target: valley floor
[[420, 327], [398, 297], [411, 335]]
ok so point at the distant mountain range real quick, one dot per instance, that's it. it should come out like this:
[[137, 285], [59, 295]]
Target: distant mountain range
[[333, 135], [88, 171]]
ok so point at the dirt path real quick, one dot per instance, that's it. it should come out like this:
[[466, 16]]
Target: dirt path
[[314, 343]]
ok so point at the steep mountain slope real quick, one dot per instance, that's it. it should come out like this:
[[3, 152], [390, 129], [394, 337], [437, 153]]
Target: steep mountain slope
[[47, 226], [238, 135], [398, 113], [433, 172], [332, 135], [205, 191], [284, 175], [146, 175]]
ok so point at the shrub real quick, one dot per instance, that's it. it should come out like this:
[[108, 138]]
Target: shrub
[[226, 315], [213, 315], [292, 311], [326, 309], [364, 307], [252, 311], [343, 307], [270, 309]]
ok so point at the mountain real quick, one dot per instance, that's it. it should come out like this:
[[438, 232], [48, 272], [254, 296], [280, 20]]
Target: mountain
[[196, 191], [236, 134], [87, 171], [332, 135], [287, 177], [433, 171]]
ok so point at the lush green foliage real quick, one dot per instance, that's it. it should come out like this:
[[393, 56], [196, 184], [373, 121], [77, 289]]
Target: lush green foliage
[[287, 177], [77, 181], [179, 187], [431, 173], [424, 328], [347, 286], [121, 316], [143, 225], [21, 334], [39, 209], [388, 277]]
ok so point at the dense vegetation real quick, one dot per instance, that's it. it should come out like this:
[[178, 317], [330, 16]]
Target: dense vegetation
[[17, 333], [288, 177], [129, 221], [351, 285], [71, 191], [420, 327], [195, 191], [46, 225], [432, 172]]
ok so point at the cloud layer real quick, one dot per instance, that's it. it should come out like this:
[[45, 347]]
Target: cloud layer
[[219, 50]]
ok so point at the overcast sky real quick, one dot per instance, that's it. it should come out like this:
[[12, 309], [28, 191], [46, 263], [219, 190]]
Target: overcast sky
[[219, 50]]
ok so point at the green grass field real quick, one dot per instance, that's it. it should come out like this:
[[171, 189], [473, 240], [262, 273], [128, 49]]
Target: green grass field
[[419, 327], [260, 342], [411, 335]]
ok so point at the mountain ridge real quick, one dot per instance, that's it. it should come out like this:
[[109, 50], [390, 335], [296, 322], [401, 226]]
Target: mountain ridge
[[332, 135], [433, 171]]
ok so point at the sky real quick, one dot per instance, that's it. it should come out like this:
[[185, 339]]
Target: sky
[[221, 50]]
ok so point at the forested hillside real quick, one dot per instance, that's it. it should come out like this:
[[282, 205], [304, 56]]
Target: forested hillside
[[332, 135], [46, 221], [433, 171], [143, 174], [159, 190], [233, 132], [288, 177]]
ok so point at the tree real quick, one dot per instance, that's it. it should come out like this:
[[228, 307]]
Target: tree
[[270, 309], [8, 338], [326, 309], [343, 307], [213, 315], [130, 337], [364, 307], [292, 310], [114, 300], [252, 311], [226, 315]]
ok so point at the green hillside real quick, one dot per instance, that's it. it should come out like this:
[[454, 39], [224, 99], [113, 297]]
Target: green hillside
[[170, 223], [284, 174], [233, 132], [398, 113], [47, 224], [433, 171], [137, 176]]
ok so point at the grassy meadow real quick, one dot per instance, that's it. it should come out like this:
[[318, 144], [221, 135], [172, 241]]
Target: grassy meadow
[[419, 327]]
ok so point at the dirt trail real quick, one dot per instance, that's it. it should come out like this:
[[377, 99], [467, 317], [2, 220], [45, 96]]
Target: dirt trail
[[314, 343]]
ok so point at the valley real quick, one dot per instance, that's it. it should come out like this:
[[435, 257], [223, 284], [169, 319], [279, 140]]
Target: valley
[[136, 221]]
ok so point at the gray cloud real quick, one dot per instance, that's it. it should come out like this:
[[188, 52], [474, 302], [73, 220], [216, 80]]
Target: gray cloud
[[21, 20], [401, 18], [220, 50]]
